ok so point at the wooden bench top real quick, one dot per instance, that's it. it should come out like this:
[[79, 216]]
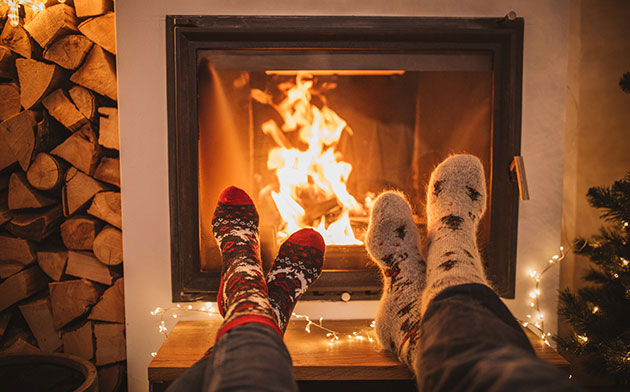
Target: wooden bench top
[[314, 358]]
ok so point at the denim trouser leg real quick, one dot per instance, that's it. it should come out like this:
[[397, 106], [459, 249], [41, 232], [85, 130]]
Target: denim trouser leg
[[471, 342], [251, 357]]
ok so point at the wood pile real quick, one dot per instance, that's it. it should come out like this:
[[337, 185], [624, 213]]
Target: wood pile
[[61, 284]]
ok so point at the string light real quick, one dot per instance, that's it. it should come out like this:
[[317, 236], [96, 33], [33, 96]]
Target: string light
[[537, 323], [332, 336], [14, 8]]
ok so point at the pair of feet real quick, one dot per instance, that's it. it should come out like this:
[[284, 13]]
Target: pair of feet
[[456, 200]]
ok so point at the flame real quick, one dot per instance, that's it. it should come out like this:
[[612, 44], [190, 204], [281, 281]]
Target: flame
[[312, 182]]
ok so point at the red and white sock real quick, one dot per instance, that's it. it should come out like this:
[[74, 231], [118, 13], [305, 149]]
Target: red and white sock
[[243, 294], [298, 264]]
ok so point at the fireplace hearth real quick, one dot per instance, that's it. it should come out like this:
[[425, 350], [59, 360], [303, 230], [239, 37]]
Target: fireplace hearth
[[314, 116]]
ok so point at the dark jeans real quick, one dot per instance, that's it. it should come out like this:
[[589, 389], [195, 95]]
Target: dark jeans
[[251, 357], [470, 342]]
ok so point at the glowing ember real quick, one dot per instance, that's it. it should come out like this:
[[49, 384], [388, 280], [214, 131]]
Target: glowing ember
[[312, 183]]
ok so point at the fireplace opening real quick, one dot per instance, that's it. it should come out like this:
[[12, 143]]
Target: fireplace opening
[[314, 132]]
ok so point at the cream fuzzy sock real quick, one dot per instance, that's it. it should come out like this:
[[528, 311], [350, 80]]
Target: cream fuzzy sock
[[392, 242], [456, 201]]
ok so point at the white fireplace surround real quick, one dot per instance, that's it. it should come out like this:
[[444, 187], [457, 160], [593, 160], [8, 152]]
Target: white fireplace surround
[[144, 158]]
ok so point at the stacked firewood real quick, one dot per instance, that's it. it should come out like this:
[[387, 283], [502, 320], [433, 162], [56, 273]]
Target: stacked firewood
[[61, 285]]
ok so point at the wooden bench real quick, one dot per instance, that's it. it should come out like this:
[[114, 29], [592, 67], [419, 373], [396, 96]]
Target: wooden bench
[[315, 360]]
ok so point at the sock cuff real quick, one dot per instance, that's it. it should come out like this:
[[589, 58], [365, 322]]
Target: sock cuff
[[308, 237], [246, 319], [234, 196]]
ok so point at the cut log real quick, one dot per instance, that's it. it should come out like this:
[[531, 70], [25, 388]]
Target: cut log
[[68, 51], [79, 152], [21, 346], [84, 101], [71, 299], [21, 285], [63, 110], [110, 343], [16, 39], [45, 173], [51, 23], [108, 128], [19, 134], [23, 195], [17, 254], [78, 190], [108, 170], [78, 233], [50, 133], [6, 154], [36, 225], [10, 98], [39, 318], [106, 206], [111, 307], [37, 79], [98, 73], [102, 31], [110, 378], [7, 63], [108, 246], [53, 263], [79, 342], [5, 213], [5, 317], [85, 8], [85, 265]]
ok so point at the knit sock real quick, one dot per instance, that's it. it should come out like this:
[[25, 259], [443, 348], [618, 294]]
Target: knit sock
[[456, 201], [392, 242], [298, 265], [243, 295]]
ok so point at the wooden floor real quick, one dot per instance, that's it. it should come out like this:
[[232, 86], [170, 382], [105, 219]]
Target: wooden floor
[[314, 358]]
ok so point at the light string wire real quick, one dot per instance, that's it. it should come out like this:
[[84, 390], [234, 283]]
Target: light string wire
[[14, 8], [208, 308]]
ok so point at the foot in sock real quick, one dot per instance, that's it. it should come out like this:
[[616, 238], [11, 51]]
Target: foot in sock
[[298, 265], [456, 201], [392, 242], [243, 295]]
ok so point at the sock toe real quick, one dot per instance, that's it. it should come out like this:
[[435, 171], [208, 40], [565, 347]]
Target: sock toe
[[308, 237], [234, 196], [391, 229]]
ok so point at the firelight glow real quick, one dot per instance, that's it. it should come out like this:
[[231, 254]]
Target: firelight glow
[[316, 176]]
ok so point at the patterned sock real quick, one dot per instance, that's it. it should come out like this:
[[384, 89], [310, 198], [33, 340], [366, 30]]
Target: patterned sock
[[456, 201], [392, 242], [299, 264], [243, 295]]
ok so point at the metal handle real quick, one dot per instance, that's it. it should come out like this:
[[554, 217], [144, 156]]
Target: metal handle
[[518, 166]]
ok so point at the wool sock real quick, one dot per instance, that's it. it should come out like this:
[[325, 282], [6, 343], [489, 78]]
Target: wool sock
[[243, 295], [298, 264], [392, 242], [456, 201]]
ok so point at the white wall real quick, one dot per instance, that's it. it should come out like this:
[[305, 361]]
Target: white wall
[[144, 157]]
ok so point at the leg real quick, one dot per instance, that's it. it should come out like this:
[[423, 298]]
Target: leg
[[469, 341], [392, 242]]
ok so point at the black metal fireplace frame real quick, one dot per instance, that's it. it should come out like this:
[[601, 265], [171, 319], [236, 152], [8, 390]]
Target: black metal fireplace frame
[[500, 37]]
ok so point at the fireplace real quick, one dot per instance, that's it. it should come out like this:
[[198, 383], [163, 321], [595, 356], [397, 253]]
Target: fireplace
[[314, 116]]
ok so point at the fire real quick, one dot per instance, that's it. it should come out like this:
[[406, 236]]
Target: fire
[[312, 182]]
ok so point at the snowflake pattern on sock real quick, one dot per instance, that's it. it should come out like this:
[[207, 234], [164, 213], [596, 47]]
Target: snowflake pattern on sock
[[298, 265], [242, 290]]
